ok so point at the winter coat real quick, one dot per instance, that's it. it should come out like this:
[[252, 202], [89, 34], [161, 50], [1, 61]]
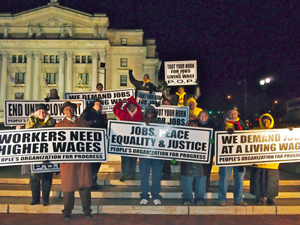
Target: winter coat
[[175, 97], [123, 114], [75, 175], [196, 112], [141, 85], [94, 118]]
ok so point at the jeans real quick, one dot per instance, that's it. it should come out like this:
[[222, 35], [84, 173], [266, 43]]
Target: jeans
[[156, 166], [225, 173], [187, 185]]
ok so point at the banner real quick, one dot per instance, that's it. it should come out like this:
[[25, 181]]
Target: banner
[[159, 141], [45, 168], [181, 73], [108, 98], [60, 145], [145, 98], [257, 147], [17, 112], [173, 115]]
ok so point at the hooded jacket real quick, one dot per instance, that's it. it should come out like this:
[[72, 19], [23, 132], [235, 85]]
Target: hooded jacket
[[196, 111], [123, 114], [273, 166]]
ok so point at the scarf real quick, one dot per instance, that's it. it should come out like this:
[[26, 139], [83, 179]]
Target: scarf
[[132, 113], [181, 99], [43, 123], [145, 82], [230, 124]]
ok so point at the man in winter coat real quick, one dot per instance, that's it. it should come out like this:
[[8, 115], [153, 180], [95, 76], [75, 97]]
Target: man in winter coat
[[144, 85], [131, 111], [92, 114], [232, 122], [194, 110], [264, 178], [75, 176]]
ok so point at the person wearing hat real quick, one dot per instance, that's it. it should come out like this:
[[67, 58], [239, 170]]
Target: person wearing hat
[[194, 110], [155, 164], [39, 119], [264, 178], [75, 176], [92, 114], [231, 122], [131, 111]]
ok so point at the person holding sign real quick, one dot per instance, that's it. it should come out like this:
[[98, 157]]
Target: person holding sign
[[131, 111], [194, 110], [75, 176], [264, 178], [92, 114], [40, 119], [180, 97], [144, 85], [155, 164], [193, 172], [232, 122]]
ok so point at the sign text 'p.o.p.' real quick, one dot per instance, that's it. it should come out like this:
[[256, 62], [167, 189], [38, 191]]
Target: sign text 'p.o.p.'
[[17, 112], [159, 141], [257, 147], [61, 145], [45, 168], [108, 98], [145, 98], [173, 115], [181, 73]]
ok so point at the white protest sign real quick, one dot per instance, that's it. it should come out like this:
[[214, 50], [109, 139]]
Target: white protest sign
[[145, 98], [257, 147], [45, 168], [17, 112], [173, 115], [181, 73], [159, 141], [108, 98], [60, 145]]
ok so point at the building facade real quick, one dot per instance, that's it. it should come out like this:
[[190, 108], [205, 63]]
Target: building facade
[[58, 47]]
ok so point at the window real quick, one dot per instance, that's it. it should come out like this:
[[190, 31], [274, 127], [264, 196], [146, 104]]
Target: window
[[25, 59], [51, 58], [20, 77], [123, 62], [83, 79], [123, 80], [51, 78], [20, 58], [46, 58], [89, 59], [83, 59], [57, 59], [14, 58], [77, 59], [124, 41]]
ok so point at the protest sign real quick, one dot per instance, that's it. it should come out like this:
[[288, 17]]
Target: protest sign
[[181, 73], [45, 168], [17, 112], [145, 98], [60, 145], [173, 115], [108, 98], [159, 141], [257, 147]]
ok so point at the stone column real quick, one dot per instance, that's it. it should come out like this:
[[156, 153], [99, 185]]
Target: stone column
[[94, 79], [28, 76], [102, 70], [61, 75], [37, 76], [69, 77], [4, 79]]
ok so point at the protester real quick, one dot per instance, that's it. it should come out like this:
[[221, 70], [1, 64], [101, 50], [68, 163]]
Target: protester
[[264, 178], [180, 97], [39, 119], [92, 114], [75, 176], [144, 85], [194, 110], [232, 122], [156, 166], [131, 111], [193, 172], [204, 121], [53, 95], [99, 87]]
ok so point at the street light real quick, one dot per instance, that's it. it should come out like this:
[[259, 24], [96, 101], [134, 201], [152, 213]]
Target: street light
[[265, 81]]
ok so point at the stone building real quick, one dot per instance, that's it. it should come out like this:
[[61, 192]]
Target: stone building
[[58, 47]]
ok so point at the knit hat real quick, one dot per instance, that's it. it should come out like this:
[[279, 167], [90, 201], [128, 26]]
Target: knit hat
[[233, 107], [150, 108], [41, 106]]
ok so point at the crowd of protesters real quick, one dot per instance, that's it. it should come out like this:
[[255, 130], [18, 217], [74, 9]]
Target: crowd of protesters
[[195, 177]]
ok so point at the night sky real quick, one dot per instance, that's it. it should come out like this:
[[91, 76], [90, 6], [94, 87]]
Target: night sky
[[236, 43]]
